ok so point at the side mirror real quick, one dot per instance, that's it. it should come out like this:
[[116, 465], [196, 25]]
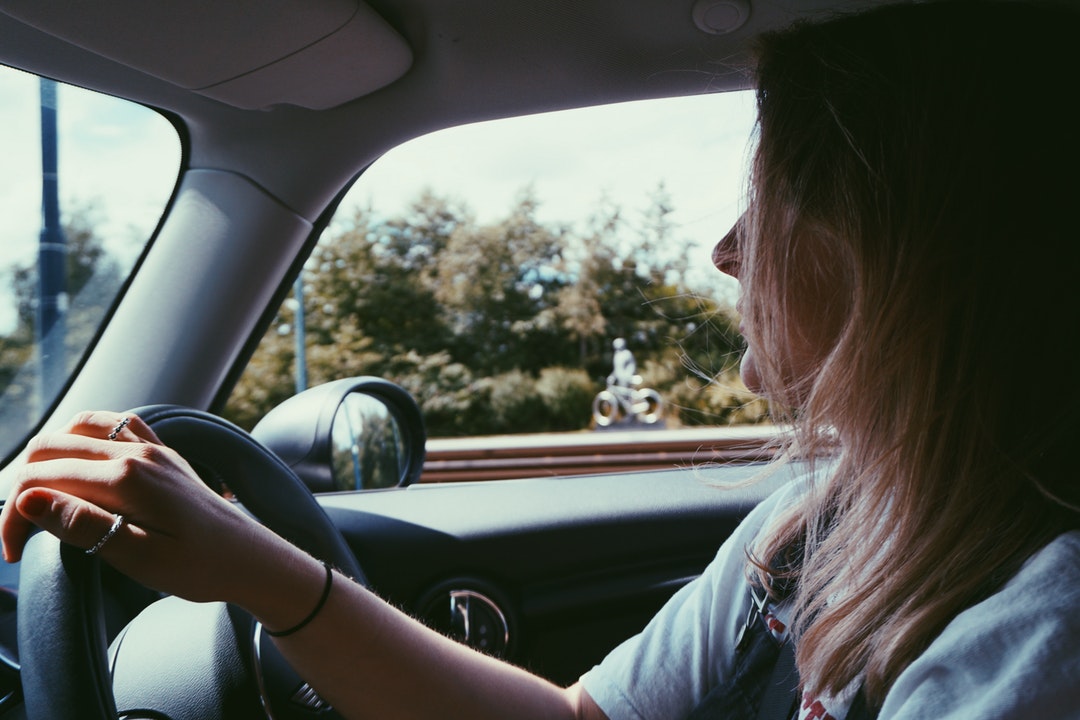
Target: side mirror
[[353, 434]]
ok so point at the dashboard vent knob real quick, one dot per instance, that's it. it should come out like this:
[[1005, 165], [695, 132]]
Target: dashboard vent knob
[[469, 616]]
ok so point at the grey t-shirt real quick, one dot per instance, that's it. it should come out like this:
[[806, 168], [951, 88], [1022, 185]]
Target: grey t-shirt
[[1014, 655]]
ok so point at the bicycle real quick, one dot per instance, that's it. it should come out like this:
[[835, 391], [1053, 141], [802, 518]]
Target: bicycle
[[619, 402]]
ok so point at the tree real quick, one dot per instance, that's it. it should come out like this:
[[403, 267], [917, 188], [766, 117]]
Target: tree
[[506, 324], [498, 284], [268, 379], [92, 279], [587, 260], [420, 236], [363, 276], [89, 268]]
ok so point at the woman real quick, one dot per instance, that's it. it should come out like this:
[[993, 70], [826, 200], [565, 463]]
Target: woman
[[908, 218]]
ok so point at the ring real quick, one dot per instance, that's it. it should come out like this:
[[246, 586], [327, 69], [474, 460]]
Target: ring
[[107, 536], [120, 426]]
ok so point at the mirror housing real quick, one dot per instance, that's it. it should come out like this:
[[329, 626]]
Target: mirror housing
[[308, 431]]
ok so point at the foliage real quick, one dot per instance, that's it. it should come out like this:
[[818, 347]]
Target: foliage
[[92, 278], [567, 395], [494, 328], [505, 326], [268, 380]]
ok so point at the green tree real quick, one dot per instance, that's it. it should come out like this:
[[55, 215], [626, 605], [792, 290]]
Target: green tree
[[506, 326], [420, 236], [92, 279], [587, 261], [498, 285], [90, 271], [268, 379], [361, 277]]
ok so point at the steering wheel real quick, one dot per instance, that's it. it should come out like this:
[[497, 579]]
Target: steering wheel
[[65, 663]]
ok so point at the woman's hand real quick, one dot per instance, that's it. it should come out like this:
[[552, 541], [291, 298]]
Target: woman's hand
[[178, 536]]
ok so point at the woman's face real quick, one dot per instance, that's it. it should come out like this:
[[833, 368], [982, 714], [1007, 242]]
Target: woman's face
[[817, 307], [727, 257]]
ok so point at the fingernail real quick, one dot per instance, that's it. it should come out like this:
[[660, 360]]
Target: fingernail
[[33, 504]]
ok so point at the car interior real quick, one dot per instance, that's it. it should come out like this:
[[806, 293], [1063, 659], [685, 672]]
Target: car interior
[[278, 108]]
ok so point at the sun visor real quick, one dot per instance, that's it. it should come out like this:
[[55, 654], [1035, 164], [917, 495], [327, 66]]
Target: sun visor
[[252, 54]]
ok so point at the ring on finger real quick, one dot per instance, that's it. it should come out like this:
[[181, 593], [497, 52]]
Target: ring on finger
[[117, 524], [119, 426]]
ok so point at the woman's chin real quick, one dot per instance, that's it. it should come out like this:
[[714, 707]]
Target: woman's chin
[[748, 371]]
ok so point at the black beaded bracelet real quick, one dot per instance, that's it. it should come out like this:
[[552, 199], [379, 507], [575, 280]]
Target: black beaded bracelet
[[318, 606]]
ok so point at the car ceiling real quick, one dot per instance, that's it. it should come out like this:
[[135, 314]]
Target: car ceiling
[[239, 74]]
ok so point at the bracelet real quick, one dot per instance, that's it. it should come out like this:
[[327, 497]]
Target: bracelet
[[318, 606]]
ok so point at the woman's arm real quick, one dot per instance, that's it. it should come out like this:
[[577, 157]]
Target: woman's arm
[[364, 657], [412, 671]]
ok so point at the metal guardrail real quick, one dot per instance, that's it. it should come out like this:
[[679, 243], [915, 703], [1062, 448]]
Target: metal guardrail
[[582, 453]]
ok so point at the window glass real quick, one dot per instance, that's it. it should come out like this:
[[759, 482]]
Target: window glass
[[83, 183], [493, 269]]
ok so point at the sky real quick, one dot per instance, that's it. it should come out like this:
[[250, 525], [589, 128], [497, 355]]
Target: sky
[[120, 156], [123, 159]]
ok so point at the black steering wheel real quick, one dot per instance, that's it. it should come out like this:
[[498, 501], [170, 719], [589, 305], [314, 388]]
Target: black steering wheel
[[65, 662]]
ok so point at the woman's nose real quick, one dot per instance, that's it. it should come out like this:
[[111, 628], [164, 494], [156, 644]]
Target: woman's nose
[[726, 255]]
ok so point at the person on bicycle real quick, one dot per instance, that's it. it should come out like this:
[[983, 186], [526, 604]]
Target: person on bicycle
[[624, 372]]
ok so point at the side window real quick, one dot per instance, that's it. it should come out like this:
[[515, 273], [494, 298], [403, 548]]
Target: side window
[[509, 273], [83, 182]]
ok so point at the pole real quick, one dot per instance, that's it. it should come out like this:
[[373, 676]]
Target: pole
[[300, 334], [52, 258]]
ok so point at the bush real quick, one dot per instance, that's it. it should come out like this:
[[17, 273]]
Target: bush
[[446, 391], [515, 404], [567, 396], [724, 400]]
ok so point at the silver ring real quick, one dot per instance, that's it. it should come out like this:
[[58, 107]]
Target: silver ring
[[107, 536], [120, 426]]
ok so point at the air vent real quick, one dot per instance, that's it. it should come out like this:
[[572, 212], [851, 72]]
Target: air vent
[[467, 612]]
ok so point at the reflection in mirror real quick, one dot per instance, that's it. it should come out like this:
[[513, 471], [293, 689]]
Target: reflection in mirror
[[368, 449]]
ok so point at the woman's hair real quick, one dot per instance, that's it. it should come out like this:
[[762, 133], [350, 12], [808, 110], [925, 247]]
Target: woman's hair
[[916, 175]]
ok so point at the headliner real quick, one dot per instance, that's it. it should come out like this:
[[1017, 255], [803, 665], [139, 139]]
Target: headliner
[[414, 67]]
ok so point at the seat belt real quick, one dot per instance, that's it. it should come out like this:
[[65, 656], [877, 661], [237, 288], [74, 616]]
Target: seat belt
[[763, 683], [782, 688]]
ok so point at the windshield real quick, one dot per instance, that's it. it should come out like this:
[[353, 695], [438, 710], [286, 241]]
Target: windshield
[[84, 180]]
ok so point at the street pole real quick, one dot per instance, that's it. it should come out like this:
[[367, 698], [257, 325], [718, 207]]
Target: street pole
[[52, 258], [300, 334]]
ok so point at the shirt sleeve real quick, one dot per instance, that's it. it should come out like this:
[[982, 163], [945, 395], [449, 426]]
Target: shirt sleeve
[[667, 669]]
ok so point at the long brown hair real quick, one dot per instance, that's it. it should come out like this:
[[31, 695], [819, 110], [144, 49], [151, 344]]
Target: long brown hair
[[920, 164]]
